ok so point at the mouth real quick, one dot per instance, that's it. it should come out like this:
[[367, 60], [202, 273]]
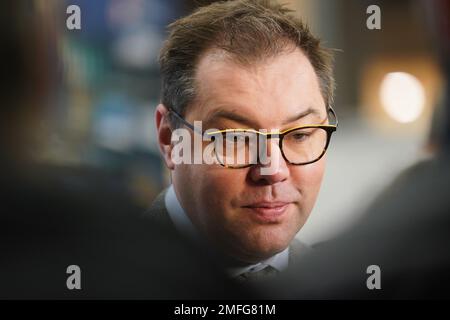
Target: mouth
[[268, 212]]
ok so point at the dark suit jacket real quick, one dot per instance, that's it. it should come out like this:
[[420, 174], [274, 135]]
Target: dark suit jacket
[[158, 213]]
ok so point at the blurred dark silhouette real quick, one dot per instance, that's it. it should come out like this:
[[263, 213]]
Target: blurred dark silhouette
[[48, 223], [53, 217], [406, 231]]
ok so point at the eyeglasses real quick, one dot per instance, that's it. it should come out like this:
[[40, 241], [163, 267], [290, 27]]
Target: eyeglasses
[[241, 148]]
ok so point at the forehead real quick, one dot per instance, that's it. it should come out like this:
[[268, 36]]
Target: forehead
[[266, 91]]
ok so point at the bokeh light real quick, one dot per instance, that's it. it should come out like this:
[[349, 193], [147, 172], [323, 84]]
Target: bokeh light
[[402, 96]]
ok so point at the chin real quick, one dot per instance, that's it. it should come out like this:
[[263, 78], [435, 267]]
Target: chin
[[263, 244]]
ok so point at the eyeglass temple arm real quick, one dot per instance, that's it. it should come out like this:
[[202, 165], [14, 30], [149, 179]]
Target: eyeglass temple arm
[[330, 108], [187, 124]]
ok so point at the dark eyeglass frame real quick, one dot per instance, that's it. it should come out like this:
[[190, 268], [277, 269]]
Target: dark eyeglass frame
[[328, 128]]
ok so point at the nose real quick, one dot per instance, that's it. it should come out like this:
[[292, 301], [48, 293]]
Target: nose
[[274, 168]]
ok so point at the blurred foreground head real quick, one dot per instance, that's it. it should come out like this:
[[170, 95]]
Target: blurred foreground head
[[399, 249], [29, 74], [51, 218]]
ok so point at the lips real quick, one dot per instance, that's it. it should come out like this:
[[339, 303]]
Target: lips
[[272, 211]]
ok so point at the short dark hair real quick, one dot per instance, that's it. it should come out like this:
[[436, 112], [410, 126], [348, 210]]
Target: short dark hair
[[248, 31]]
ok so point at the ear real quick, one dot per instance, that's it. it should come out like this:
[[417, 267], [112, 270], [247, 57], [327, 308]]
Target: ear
[[164, 135]]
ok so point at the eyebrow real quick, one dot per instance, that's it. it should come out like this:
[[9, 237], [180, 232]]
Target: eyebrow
[[229, 115]]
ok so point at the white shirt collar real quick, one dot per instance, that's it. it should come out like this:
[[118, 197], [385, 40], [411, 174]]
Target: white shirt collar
[[181, 221], [279, 262], [185, 226]]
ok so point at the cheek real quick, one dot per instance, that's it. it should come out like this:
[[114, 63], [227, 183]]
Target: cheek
[[222, 186], [308, 179]]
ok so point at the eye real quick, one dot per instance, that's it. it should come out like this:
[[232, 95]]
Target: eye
[[299, 136]]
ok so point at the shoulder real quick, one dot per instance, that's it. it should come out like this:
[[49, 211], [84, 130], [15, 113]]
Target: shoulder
[[157, 212]]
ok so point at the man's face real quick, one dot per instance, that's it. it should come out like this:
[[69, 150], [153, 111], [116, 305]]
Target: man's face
[[230, 206]]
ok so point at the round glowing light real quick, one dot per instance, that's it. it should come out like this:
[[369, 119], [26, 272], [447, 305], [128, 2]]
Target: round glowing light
[[402, 96]]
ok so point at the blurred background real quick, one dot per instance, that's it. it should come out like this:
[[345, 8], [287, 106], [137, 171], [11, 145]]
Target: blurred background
[[389, 96]]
